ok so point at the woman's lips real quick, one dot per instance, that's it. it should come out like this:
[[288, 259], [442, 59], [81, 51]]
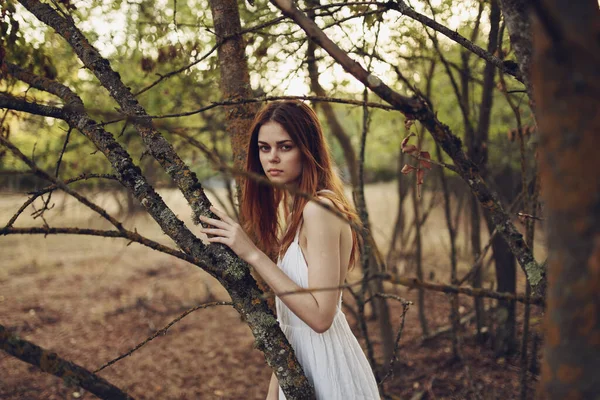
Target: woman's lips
[[275, 172]]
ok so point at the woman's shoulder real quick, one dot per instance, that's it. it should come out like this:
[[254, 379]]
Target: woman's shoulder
[[312, 210]]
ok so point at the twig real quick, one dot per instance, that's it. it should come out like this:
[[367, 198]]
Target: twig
[[39, 172], [215, 104], [416, 283], [163, 331], [132, 236], [36, 194], [405, 306]]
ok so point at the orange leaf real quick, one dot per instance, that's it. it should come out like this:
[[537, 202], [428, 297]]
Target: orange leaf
[[407, 169], [408, 148], [423, 163], [420, 175]]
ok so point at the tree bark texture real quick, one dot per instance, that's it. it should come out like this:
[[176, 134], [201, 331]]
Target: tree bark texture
[[235, 79], [566, 78], [516, 17], [235, 85]]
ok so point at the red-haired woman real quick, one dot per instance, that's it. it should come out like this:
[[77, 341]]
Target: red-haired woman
[[287, 145]]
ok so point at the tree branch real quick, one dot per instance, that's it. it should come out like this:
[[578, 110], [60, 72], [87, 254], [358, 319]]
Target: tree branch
[[44, 175], [51, 363], [417, 108], [508, 67], [163, 331], [36, 194], [13, 103], [131, 236]]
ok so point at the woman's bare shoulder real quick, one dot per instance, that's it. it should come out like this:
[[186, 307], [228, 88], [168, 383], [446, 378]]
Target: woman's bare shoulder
[[314, 212]]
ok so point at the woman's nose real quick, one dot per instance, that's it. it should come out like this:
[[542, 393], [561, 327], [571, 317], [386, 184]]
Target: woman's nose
[[273, 156]]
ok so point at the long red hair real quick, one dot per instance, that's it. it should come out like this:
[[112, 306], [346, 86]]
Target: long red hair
[[260, 202]]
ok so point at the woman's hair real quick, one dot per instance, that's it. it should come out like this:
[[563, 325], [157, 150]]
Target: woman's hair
[[260, 202]]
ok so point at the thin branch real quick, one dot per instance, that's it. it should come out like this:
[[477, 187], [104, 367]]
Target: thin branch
[[261, 179], [258, 100], [509, 68], [42, 174], [473, 292], [163, 331], [131, 236], [405, 306], [416, 283], [13, 103], [36, 194], [417, 108]]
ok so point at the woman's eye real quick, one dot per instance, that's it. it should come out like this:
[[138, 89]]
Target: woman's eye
[[286, 147], [263, 148]]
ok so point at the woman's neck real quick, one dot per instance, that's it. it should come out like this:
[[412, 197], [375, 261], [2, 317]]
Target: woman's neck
[[290, 203]]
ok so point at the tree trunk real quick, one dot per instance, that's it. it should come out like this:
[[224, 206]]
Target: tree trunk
[[419, 264], [566, 78], [473, 152], [504, 340], [454, 304], [235, 80], [516, 17], [332, 121], [505, 265]]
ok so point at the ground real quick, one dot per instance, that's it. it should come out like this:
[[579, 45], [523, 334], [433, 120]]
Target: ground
[[92, 299]]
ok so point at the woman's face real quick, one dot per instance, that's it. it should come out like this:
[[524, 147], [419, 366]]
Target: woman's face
[[280, 157]]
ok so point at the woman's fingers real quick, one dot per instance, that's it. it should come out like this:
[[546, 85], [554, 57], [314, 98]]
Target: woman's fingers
[[222, 215], [220, 232], [214, 222], [217, 239]]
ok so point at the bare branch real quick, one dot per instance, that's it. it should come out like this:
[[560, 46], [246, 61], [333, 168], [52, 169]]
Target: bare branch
[[42, 174], [36, 194], [510, 68], [51, 363], [417, 108], [131, 236], [405, 306], [13, 103], [261, 100], [417, 283], [163, 331]]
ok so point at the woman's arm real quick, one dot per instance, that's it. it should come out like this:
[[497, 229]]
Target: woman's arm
[[323, 230], [317, 309], [273, 393]]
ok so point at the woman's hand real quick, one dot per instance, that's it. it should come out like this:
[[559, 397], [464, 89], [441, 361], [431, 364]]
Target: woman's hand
[[230, 233]]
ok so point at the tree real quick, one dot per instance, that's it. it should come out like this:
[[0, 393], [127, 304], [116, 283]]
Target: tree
[[219, 261], [565, 81], [159, 137]]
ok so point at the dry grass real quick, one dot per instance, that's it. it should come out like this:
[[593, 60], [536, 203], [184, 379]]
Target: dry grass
[[91, 299]]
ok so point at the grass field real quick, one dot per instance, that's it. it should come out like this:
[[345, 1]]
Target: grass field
[[92, 299]]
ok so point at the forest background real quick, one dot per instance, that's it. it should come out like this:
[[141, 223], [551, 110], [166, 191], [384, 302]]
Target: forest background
[[200, 70]]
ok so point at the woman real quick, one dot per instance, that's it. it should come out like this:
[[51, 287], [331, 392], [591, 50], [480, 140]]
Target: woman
[[287, 146]]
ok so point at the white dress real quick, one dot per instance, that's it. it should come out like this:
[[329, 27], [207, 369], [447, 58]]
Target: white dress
[[333, 361]]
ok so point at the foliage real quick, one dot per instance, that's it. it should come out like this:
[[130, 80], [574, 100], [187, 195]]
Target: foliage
[[149, 39]]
